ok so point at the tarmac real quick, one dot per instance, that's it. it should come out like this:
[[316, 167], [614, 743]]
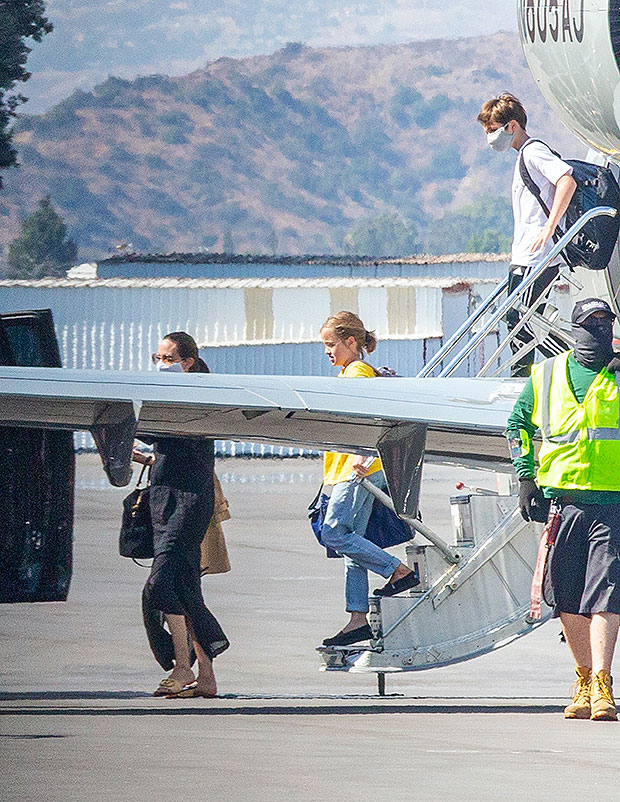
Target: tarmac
[[78, 721]]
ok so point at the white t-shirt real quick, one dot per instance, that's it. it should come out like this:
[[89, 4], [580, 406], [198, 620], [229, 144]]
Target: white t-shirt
[[546, 170]]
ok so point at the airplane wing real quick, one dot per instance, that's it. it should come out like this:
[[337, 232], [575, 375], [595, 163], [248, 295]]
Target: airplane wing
[[464, 418]]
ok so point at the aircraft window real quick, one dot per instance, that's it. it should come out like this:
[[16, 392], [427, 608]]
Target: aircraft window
[[6, 353]]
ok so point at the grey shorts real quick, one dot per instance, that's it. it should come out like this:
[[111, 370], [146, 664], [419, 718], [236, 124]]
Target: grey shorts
[[585, 563]]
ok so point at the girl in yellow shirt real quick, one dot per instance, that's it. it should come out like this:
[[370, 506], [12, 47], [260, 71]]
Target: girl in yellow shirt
[[346, 339]]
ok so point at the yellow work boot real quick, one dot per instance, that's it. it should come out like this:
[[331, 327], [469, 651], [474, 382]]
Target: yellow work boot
[[601, 698], [580, 706]]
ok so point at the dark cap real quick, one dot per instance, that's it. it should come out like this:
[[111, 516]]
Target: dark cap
[[583, 309]]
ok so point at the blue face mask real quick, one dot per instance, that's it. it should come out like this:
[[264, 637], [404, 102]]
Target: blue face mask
[[501, 139], [175, 367]]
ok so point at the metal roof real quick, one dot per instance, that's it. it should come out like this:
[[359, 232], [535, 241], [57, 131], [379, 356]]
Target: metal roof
[[243, 283], [203, 258]]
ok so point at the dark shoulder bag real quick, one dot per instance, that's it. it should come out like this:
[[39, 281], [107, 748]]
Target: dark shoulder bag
[[136, 536], [384, 529]]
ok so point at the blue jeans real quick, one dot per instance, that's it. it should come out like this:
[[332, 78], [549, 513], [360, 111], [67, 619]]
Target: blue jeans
[[343, 530]]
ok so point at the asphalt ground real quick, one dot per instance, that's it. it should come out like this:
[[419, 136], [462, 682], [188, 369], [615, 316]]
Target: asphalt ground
[[78, 721]]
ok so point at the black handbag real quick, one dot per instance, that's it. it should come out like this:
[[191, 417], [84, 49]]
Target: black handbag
[[136, 536]]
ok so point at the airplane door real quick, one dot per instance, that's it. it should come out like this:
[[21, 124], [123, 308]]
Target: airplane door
[[612, 274], [37, 469]]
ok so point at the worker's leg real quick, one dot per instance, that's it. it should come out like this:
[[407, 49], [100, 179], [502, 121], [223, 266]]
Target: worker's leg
[[567, 572], [603, 637], [577, 633], [601, 599], [601, 594]]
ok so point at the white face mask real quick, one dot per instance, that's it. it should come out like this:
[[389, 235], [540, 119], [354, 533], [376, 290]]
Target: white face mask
[[175, 367], [501, 139]]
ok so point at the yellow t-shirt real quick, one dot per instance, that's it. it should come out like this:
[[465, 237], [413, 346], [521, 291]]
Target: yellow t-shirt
[[339, 467]]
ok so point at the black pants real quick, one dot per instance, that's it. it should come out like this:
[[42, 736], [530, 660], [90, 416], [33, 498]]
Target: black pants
[[552, 345]]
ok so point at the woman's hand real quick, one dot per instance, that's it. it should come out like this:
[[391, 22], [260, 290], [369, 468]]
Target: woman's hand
[[359, 466], [141, 457]]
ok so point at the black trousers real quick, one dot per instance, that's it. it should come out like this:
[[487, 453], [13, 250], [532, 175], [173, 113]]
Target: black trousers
[[552, 346]]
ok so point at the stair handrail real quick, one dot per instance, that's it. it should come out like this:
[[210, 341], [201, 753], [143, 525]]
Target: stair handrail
[[515, 295], [458, 335]]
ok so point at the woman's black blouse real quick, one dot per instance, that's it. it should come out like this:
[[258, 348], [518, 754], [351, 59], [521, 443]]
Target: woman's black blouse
[[183, 463]]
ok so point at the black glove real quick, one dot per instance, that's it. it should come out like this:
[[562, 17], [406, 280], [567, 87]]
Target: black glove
[[614, 364], [532, 504]]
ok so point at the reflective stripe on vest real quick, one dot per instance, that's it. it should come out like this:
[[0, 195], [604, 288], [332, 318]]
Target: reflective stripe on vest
[[569, 437], [580, 441]]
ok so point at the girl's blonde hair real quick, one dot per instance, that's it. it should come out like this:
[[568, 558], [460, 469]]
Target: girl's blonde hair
[[348, 324]]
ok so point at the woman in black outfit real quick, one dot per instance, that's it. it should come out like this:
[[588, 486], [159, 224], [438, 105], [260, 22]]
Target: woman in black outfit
[[181, 500]]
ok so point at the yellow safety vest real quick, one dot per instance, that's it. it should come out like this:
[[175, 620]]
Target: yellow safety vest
[[580, 442]]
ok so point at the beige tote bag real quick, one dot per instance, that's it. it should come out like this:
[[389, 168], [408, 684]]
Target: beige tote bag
[[213, 551]]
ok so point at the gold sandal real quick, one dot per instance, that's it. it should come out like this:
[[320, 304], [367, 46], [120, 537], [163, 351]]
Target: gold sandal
[[191, 692], [170, 686]]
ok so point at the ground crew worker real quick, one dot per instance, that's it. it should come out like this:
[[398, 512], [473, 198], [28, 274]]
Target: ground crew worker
[[573, 400]]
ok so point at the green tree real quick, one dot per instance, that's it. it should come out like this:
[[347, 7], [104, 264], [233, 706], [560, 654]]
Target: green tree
[[488, 241], [42, 249], [384, 235], [19, 20], [485, 226]]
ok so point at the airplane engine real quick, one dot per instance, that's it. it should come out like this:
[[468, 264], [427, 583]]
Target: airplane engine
[[572, 48]]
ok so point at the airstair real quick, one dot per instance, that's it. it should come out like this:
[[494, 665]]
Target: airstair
[[474, 594]]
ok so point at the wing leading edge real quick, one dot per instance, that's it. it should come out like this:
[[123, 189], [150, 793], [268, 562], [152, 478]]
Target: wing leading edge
[[464, 417]]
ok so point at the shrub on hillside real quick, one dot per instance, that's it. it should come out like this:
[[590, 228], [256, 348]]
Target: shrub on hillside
[[484, 226], [161, 202], [383, 235], [156, 163], [174, 135], [176, 118]]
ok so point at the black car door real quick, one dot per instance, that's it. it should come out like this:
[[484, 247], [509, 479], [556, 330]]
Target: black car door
[[37, 469]]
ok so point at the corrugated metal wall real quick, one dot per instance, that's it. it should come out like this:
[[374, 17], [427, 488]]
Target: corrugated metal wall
[[296, 359], [115, 325], [270, 327]]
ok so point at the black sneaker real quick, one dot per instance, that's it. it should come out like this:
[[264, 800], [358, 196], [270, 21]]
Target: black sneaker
[[347, 638], [406, 582]]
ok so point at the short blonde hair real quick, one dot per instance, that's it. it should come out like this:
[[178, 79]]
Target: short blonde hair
[[501, 110], [348, 324]]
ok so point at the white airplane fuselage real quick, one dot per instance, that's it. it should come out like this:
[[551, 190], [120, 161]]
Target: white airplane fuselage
[[572, 48]]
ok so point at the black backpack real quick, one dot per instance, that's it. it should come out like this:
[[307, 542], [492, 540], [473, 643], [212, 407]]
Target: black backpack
[[596, 186]]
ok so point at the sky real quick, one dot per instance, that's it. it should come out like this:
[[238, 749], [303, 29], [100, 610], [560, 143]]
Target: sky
[[93, 39]]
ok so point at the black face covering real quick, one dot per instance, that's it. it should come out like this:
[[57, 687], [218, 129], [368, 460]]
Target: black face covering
[[593, 347]]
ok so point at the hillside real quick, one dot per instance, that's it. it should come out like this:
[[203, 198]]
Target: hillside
[[276, 153], [93, 40]]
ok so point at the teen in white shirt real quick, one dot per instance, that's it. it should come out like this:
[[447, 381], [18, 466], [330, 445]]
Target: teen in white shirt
[[504, 119]]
